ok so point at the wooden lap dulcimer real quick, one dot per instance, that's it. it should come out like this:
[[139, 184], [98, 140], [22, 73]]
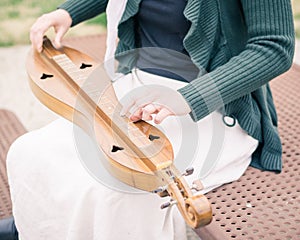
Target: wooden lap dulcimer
[[138, 154]]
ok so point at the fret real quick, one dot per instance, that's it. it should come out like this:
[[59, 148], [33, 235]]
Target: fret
[[108, 110], [92, 90], [103, 102], [70, 68], [133, 132], [105, 99], [136, 133], [141, 142], [95, 95]]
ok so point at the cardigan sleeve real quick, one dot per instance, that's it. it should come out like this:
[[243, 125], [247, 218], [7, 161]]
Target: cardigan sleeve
[[268, 53], [81, 10]]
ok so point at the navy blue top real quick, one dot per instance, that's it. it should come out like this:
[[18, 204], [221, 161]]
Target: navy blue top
[[162, 25]]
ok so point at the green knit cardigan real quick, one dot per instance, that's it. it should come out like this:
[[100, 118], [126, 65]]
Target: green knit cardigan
[[241, 44]]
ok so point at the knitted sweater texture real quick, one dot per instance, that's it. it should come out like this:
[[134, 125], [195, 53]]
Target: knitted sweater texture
[[239, 45]]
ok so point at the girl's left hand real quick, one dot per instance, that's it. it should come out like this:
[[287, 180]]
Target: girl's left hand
[[142, 102]]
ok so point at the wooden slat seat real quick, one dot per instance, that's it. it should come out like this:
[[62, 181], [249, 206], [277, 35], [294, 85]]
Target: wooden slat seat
[[261, 204], [10, 129]]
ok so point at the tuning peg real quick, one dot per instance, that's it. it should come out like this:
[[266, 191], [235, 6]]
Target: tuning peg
[[197, 185], [189, 171], [168, 204], [160, 189]]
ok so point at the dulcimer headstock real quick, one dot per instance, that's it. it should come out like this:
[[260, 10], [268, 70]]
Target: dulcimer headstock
[[195, 208]]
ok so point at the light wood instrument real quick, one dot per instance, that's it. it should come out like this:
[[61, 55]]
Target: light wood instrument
[[138, 154]]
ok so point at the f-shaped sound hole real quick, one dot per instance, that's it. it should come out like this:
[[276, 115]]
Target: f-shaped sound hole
[[116, 148], [84, 65], [152, 137], [45, 76]]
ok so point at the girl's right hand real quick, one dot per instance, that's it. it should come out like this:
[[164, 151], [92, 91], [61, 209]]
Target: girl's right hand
[[59, 19]]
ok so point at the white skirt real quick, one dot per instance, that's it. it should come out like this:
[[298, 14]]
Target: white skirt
[[56, 196]]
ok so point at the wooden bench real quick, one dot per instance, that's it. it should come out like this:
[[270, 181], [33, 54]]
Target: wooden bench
[[10, 129], [261, 205]]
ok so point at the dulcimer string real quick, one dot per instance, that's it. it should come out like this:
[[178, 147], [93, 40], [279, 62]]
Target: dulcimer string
[[96, 105], [110, 112], [105, 109]]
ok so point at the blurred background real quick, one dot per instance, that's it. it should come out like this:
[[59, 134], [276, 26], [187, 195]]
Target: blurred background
[[16, 18], [296, 8]]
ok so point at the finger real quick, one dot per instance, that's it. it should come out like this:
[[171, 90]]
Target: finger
[[58, 38], [151, 108], [147, 111], [161, 115], [146, 116], [38, 30], [36, 37], [137, 115]]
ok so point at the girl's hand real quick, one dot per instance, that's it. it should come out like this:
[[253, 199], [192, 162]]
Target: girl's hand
[[59, 19], [146, 100]]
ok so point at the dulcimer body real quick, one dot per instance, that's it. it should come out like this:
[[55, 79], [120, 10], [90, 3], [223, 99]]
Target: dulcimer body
[[76, 87]]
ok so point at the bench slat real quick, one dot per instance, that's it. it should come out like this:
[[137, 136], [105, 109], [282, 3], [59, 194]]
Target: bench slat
[[10, 129], [261, 204]]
